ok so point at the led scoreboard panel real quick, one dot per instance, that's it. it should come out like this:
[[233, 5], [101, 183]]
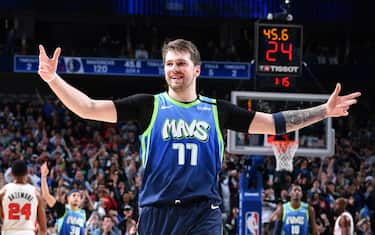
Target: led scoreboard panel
[[278, 49], [130, 67]]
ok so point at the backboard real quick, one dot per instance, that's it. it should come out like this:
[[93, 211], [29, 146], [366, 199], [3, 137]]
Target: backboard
[[316, 140]]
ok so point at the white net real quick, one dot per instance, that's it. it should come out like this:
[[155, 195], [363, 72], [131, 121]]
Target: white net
[[284, 152]]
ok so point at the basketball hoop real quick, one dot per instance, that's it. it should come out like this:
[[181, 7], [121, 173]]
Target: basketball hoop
[[284, 151]]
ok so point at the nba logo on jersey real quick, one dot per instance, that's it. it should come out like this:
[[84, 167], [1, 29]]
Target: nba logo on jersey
[[252, 223]]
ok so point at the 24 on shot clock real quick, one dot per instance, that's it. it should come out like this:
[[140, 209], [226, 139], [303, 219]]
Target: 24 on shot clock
[[278, 49]]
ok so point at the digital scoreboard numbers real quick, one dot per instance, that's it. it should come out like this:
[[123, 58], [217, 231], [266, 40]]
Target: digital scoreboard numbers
[[278, 49], [277, 83]]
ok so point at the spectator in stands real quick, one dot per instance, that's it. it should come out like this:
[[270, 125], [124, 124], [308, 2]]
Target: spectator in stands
[[93, 223], [35, 179], [127, 222], [323, 224], [107, 227], [364, 227], [141, 52], [268, 207], [331, 194], [315, 188]]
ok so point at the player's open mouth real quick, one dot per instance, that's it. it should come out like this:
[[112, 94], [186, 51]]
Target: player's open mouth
[[177, 77]]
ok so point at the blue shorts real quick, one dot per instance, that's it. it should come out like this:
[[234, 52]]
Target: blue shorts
[[198, 218]]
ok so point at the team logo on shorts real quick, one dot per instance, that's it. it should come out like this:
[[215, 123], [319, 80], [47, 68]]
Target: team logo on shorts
[[252, 223]]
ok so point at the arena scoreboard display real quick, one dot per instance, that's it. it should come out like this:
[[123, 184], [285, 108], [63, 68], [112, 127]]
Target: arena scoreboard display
[[278, 49], [130, 67]]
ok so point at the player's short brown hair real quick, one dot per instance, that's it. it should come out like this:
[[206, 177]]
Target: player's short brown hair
[[19, 168], [182, 45]]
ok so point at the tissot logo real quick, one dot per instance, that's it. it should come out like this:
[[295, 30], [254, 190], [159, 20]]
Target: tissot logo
[[279, 69]]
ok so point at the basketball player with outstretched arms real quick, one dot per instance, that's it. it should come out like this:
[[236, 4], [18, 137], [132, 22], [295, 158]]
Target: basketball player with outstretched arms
[[181, 136]]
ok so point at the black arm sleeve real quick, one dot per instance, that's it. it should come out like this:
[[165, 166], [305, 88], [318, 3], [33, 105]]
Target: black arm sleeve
[[59, 208], [234, 117], [135, 108]]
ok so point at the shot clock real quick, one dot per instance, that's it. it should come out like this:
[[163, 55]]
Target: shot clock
[[278, 49]]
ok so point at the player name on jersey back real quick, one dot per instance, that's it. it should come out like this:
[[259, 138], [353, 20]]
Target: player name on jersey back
[[19, 205], [20, 195]]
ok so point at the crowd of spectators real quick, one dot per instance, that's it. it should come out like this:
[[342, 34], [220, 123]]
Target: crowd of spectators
[[102, 160], [143, 39]]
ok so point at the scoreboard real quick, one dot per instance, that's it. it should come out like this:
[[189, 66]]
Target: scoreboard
[[278, 49], [130, 67]]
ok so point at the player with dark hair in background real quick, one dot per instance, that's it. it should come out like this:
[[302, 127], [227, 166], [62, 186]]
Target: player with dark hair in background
[[22, 208], [181, 135], [344, 224], [294, 217], [71, 218]]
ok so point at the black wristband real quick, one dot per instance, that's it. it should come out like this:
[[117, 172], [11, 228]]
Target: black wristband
[[280, 127]]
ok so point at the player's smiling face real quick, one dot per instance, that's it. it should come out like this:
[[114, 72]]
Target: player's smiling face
[[180, 71]]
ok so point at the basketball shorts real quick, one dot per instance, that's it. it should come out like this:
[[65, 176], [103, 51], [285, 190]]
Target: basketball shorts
[[198, 218]]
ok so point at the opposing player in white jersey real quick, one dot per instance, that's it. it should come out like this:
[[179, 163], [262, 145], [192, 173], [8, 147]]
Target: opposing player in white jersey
[[344, 224], [21, 205]]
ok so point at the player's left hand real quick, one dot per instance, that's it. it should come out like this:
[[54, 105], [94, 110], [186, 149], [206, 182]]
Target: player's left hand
[[338, 106], [44, 170]]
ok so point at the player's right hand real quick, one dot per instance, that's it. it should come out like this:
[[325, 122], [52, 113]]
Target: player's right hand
[[44, 170], [47, 67]]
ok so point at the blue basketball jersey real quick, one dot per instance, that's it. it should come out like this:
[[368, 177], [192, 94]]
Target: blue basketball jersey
[[72, 222], [181, 151], [295, 221]]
